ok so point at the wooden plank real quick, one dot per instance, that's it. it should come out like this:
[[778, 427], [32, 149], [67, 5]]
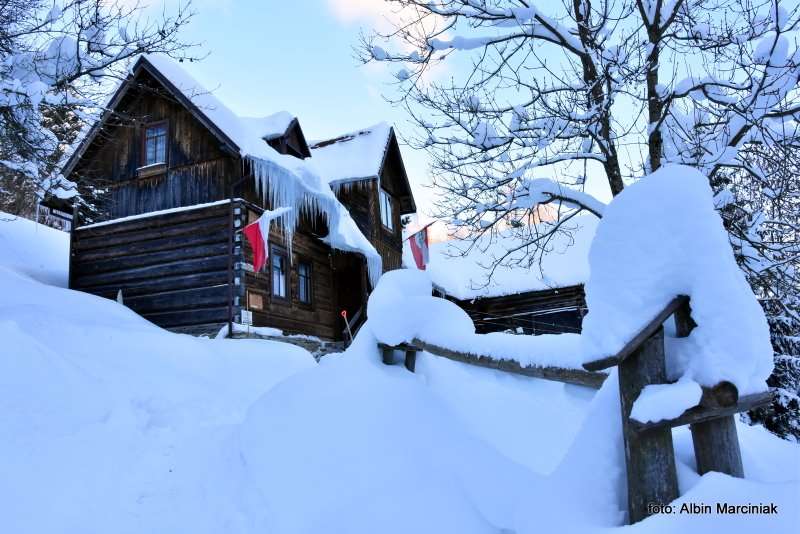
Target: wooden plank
[[122, 263], [182, 299], [184, 236], [204, 226], [192, 266], [699, 414], [649, 454], [559, 374], [157, 285], [649, 329], [188, 316], [716, 445], [411, 359], [147, 222]]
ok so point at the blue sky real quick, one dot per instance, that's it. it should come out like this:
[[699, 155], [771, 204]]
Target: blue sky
[[266, 56]]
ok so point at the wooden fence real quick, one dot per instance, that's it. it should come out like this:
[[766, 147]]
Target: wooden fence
[[649, 452]]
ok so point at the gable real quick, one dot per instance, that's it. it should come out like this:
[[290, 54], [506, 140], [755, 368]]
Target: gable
[[134, 103], [394, 179], [292, 141]]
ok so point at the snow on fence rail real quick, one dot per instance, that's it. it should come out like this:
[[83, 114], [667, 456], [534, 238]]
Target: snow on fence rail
[[560, 374]]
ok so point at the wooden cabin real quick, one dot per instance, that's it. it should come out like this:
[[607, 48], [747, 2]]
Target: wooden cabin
[[544, 298], [170, 177]]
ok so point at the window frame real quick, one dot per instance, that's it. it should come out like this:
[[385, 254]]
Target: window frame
[[275, 252], [149, 126], [382, 193], [310, 278]]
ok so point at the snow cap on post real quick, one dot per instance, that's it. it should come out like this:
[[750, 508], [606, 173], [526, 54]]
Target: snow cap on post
[[661, 238]]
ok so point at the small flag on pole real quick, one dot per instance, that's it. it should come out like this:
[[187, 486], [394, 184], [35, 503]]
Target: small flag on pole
[[419, 248], [257, 233]]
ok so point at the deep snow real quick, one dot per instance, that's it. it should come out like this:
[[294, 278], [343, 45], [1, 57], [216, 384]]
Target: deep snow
[[110, 424]]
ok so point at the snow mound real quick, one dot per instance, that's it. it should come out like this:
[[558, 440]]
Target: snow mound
[[36, 250], [401, 308], [111, 424], [660, 238], [358, 447], [657, 402]]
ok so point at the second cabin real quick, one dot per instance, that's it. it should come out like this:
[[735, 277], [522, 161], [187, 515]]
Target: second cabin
[[170, 176]]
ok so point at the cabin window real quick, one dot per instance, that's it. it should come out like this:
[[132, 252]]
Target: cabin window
[[155, 144], [304, 282], [279, 269], [387, 215]]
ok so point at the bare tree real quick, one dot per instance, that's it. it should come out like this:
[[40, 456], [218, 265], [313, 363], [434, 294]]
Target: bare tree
[[57, 60], [539, 96], [613, 88]]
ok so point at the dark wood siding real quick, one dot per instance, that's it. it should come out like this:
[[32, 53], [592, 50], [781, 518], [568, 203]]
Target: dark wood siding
[[173, 269], [553, 311], [362, 201], [320, 317], [198, 170]]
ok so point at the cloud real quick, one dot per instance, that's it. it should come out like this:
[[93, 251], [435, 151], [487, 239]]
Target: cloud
[[350, 11]]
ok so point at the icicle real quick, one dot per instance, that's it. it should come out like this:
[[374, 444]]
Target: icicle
[[305, 193]]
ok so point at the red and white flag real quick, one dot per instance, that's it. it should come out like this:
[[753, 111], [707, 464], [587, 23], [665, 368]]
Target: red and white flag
[[419, 248], [257, 233]]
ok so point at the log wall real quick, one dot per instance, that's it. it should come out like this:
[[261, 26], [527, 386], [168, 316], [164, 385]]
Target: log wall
[[173, 269], [553, 311], [330, 277]]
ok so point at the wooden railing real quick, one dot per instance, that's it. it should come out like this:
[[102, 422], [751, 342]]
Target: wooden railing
[[560, 374], [649, 452]]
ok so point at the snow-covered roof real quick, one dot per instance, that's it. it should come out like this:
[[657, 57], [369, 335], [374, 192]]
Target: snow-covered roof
[[464, 276], [271, 126], [353, 156], [247, 133]]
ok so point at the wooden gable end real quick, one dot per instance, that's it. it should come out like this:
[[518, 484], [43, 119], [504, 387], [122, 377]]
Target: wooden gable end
[[199, 166], [292, 142], [393, 177]]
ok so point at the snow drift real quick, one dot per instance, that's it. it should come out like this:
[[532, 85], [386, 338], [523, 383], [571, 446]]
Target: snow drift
[[110, 424]]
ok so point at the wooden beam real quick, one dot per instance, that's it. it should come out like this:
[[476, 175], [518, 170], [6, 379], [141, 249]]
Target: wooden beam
[[649, 454], [699, 414], [716, 447], [558, 374], [714, 438], [649, 329], [411, 360]]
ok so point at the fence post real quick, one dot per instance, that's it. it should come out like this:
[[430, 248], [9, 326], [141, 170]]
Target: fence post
[[649, 454], [411, 359], [716, 443]]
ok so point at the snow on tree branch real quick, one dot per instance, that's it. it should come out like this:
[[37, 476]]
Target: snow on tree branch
[[55, 61]]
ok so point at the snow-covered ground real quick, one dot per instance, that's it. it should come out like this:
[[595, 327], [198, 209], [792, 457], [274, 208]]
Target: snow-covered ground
[[110, 424]]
